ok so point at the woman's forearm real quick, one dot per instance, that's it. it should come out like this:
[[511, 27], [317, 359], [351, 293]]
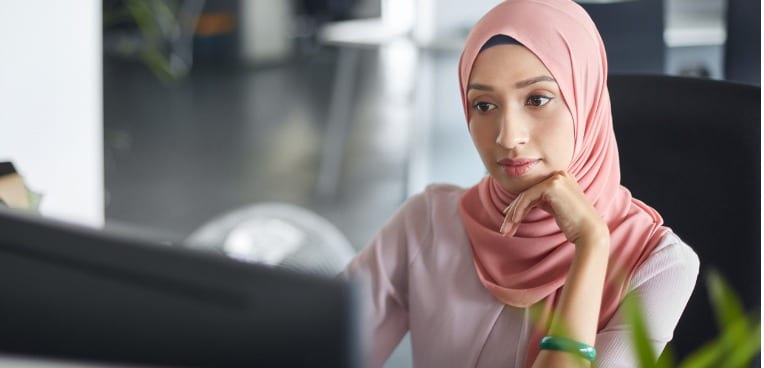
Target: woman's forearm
[[577, 313]]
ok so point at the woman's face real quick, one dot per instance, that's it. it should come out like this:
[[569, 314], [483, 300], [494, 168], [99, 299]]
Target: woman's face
[[518, 120]]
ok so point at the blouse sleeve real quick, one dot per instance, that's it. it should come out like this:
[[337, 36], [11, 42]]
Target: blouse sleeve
[[671, 263], [381, 271]]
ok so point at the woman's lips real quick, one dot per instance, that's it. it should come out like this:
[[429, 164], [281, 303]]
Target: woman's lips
[[517, 167]]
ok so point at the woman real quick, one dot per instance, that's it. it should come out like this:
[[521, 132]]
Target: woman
[[527, 268]]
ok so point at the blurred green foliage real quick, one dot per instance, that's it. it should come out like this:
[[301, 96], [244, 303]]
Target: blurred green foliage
[[159, 25], [739, 340]]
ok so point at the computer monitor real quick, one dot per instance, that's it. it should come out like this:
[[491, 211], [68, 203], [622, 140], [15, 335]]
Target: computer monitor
[[75, 293]]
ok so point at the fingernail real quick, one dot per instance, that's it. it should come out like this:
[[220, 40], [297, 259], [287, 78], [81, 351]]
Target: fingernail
[[503, 227], [507, 229]]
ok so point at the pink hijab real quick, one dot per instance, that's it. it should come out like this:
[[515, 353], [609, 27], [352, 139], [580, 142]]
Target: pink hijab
[[530, 268]]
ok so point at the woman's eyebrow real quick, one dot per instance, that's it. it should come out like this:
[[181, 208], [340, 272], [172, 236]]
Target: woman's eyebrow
[[479, 86], [520, 84], [529, 81]]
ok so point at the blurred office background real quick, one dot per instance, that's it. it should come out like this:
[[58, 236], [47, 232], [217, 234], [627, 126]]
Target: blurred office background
[[345, 107], [161, 116]]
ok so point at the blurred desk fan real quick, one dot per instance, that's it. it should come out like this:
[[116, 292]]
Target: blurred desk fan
[[276, 234]]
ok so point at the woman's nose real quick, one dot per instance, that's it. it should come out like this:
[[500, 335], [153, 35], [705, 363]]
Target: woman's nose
[[513, 131]]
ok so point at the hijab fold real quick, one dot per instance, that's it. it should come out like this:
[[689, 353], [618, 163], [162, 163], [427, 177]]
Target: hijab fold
[[529, 268]]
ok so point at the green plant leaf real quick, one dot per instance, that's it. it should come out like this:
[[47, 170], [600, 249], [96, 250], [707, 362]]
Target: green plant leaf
[[726, 304], [156, 22], [159, 65], [734, 325], [144, 18], [705, 356], [640, 339], [164, 17], [667, 359], [738, 342], [719, 353], [740, 336], [742, 354]]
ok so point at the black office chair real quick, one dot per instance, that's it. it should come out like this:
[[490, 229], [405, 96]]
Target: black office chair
[[690, 148]]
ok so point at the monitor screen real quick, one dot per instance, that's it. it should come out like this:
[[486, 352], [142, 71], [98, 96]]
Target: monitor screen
[[77, 293]]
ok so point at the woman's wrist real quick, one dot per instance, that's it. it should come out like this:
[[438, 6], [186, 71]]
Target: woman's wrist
[[596, 237]]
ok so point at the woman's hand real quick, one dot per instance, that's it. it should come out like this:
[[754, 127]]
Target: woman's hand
[[562, 197], [577, 313]]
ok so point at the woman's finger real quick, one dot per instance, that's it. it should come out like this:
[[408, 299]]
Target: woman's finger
[[536, 196], [525, 201], [508, 228], [514, 213]]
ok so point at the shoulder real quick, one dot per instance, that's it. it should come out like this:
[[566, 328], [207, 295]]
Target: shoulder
[[442, 195], [671, 256], [663, 284], [428, 218], [444, 192], [413, 225], [442, 202], [433, 200]]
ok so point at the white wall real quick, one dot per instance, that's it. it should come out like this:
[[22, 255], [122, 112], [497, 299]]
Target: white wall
[[51, 103]]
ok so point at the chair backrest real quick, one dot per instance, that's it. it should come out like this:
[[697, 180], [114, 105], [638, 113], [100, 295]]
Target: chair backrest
[[690, 148]]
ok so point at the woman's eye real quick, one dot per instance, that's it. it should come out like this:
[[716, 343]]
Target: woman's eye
[[538, 100], [484, 106]]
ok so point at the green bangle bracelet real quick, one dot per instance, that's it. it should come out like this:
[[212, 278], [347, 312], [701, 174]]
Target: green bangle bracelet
[[587, 352]]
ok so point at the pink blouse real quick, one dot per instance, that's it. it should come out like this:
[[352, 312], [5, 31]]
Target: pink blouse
[[417, 275]]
